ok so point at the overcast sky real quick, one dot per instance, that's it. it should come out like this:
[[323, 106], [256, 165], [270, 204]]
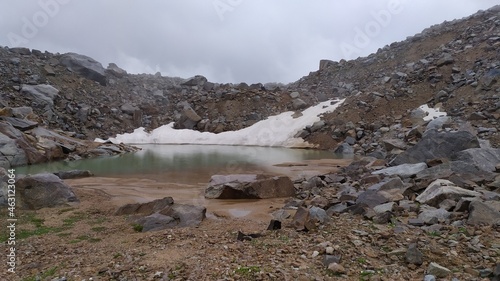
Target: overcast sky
[[225, 40]]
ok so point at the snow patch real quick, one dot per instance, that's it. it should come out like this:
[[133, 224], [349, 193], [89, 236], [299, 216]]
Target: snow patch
[[278, 130], [432, 113]]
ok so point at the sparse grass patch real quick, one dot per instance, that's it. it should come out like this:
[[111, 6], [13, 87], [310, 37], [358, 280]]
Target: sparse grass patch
[[99, 220], [84, 238], [98, 228], [247, 271], [74, 218], [361, 260], [62, 211], [48, 273], [137, 227]]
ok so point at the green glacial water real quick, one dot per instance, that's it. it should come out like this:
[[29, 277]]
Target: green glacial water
[[177, 160]]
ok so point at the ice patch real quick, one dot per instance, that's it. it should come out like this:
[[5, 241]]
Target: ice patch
[[278, 130], [432, 113]]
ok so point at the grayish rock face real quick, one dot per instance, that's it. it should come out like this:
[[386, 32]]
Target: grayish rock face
[[436, 144], [162, 214], [440, 190], [249, 186], [85, 66], [484, 213], [42, 94], [44, 190], [483, 158], [403, 170]]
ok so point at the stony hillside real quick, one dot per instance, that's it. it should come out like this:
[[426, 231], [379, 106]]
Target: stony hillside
[[75, 93], [454, 66]]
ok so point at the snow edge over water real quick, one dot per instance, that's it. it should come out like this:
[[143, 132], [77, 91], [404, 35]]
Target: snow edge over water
[[278, 130]]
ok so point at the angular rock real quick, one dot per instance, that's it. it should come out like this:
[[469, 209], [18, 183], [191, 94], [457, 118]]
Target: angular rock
[[42, 94], [438, 270], [20, 124], [382, 208], [445, 59], [430, 215], [10, 153], [73, 174], [197, 80], [44, 190], [483, 158], [185, 215], [274, 225], [22, 112], [300, 218], [189, 119], [249, 186], [435, 172], [298, 104], [317, 214], [436, 144], [84, 66], [129, 109], [115, 70], [145, 208], [440, 190], [371, 199], [484, 213], [390, 144], [344, 148], [388, 184], [156, 222], [413, 255], [403, 170]]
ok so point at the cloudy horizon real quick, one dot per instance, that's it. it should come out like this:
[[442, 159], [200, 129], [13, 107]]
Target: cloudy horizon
[[227, 41]]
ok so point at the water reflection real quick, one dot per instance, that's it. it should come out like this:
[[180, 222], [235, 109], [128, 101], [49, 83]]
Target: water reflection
[[176, 159]]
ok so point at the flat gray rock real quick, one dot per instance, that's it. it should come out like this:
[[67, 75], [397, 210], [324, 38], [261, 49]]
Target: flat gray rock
[[249, 186], [84, 66], [403, 170], [440, 190]]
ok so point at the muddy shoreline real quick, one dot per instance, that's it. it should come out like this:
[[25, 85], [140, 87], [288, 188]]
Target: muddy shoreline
[[125, 189]]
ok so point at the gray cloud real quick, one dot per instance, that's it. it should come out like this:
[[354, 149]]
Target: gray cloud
[[224, 40]]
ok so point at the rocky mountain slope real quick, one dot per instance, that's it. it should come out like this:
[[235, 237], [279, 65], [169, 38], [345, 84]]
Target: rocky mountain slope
[[454, 66]]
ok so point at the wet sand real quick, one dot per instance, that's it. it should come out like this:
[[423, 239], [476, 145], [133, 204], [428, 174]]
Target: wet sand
[[189, 188]]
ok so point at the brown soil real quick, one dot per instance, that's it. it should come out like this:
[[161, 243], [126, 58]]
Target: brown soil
[[87, 241]]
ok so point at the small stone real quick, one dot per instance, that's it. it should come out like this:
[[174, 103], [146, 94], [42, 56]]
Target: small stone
[[315, 254], [438, 270], [336, 268], [416, 222], [329, 259], [329, 250], [413, 255], [430, 278]]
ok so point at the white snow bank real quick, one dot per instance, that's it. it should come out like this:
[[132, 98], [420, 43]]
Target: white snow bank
[[278, 130], [432, 113]]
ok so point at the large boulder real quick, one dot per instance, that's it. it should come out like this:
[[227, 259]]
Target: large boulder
[[436, 144], [145, 208], [197, 80], [188, 119], [43, 190], [42, 94], [487, 213], [163, 213], [249, 186], [84, 66], [483, 158], [440, 190]]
